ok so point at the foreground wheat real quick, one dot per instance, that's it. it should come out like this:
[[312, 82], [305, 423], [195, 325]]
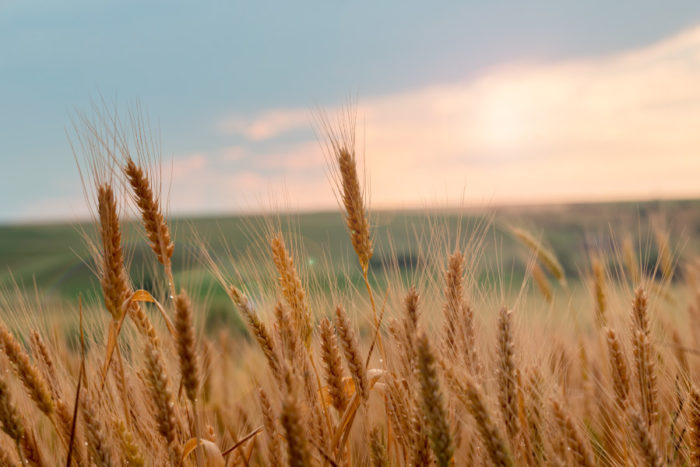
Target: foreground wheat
[[461, 378]]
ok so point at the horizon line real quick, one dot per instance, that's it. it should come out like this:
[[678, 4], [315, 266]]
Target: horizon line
[[474, 207]]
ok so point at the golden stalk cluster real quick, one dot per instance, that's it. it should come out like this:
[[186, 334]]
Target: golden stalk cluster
[[459, 378]]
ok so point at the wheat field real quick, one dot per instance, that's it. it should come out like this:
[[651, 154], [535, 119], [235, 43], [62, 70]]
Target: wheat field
[[430, 368]]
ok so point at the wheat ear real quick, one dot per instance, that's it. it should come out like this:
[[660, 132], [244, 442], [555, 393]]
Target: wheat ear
[[333, 366], [407, 335], [64, 420], [288, 335], [506, 376], [420, 449], [399, 411], [184, 328], [535, 409], [645, 442], [342, 145], [41, 353], [292, 288], [355, 212], [274, 455], [156, 228], [640, 314], [10, 418], [542, 283], [377, 448], [410, 303], [546, 257], [470, 394], [33, 381], [618, 363], [131, 452], [599, 291], [579, 449], [259, 331], [348, 342], [452, 308], [113, 278], [694, 423], [433, 404], [646, 376], [295, 432], [99, 449], [163, 400]]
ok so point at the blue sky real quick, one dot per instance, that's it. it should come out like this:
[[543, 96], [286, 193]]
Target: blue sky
[[205, 72]]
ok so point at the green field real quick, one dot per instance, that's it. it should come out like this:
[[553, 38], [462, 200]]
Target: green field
[[56, 259]]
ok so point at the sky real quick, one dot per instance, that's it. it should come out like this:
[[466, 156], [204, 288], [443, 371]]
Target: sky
[[474, 103]]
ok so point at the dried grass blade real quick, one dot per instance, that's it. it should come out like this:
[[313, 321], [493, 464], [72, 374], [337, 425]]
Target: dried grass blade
[[242, 441]]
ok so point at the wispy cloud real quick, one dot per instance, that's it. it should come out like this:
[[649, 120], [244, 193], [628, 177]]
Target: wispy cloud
[[183, 167], [305, 157], [267, 125]]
